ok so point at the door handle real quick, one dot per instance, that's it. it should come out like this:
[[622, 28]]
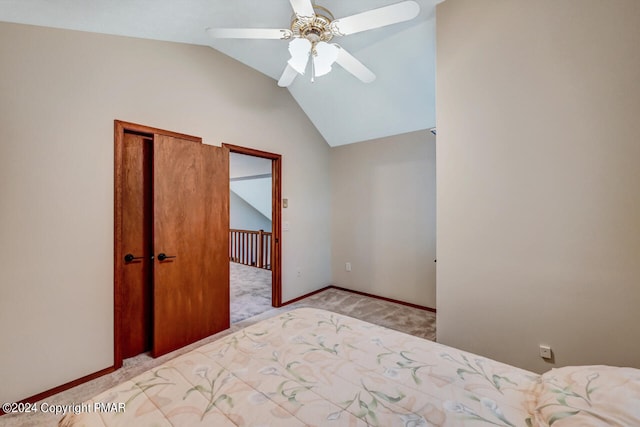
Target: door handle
[[162, 256], [130, 257]]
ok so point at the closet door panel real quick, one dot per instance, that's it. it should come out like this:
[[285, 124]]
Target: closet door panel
[[191, 229], [136, 242]]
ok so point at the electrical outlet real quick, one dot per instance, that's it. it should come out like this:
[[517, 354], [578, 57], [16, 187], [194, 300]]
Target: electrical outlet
[[299, 272], [347, 266], [545, 351]]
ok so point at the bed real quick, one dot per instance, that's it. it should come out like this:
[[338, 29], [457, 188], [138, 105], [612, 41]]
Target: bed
[[310, 367]]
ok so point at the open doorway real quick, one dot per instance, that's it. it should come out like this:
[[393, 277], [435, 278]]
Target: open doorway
[[254, 231]]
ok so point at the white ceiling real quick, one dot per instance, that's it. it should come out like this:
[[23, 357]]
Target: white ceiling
[[242, 166], [343, 109], [256, 191]]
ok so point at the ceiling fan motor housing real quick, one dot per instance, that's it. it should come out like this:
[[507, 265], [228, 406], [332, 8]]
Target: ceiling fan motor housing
[[313, 28]]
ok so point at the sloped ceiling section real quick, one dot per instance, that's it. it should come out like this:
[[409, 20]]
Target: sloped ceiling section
[[343, 109], [256, 192], [251, 180]]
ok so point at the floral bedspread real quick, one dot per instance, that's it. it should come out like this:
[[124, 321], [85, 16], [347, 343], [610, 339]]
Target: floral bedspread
[[311, 367]]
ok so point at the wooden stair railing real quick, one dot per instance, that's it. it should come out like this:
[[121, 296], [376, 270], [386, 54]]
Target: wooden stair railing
[[250, 247]]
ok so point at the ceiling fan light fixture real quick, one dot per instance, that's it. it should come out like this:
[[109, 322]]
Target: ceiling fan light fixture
[[324, 56], [299, 50]]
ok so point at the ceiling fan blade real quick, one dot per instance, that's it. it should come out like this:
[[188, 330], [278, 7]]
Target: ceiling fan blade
[[249, 33], [376, 18], [355, 67], [302, 8], [288, 76]]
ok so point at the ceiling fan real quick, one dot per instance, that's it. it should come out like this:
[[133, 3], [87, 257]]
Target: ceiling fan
[[312, 27]]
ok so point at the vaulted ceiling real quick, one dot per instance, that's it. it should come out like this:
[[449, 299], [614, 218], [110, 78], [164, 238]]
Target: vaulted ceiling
[[344, 110]]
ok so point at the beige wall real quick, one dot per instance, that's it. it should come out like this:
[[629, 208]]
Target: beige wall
[[383, 217], [59, 94], [538, 180]]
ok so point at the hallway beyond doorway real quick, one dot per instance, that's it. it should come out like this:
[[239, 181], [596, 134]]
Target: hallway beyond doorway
[[250, 291]]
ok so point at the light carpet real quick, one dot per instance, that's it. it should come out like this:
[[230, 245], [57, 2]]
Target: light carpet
[[249, 291]]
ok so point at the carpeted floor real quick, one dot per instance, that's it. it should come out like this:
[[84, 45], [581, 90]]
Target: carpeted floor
[[394, 316], [250, 291], [405, 319]]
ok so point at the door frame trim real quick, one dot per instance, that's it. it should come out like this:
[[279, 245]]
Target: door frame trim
[[120, 127], [276, 212]]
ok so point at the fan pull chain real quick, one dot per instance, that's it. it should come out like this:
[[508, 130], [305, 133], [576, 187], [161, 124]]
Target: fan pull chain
[[313, 68]]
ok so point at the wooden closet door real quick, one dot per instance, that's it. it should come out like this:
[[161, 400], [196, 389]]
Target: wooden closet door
[[191, 227], [136, 242]]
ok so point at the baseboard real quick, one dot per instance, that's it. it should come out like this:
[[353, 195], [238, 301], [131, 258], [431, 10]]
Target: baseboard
[[408, 304], [305, 296], [64, 387]]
